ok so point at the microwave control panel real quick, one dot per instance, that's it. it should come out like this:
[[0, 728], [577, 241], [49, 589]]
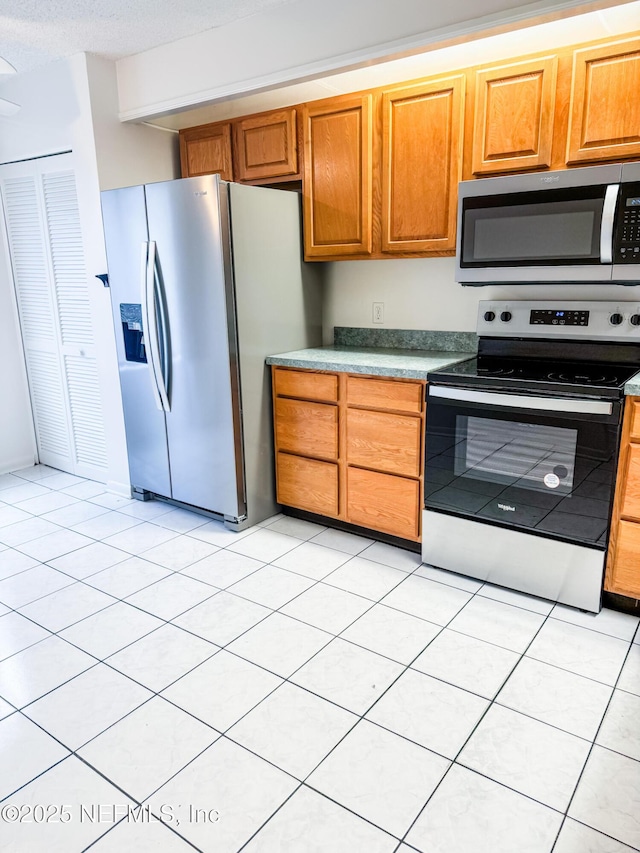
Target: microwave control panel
[[627, 237]]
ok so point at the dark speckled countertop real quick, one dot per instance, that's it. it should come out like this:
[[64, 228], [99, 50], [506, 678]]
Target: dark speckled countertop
[[376, 361], [407, 353]]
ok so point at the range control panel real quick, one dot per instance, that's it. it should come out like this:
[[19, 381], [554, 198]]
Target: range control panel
[[548, 317], [598, 321]]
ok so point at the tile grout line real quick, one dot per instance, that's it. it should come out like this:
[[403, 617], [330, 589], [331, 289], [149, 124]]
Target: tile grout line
[[593, 744], [360, 718], [483, 715], [334, 636]]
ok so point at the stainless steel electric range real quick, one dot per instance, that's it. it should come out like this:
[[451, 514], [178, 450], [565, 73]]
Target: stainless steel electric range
[[522, 445]]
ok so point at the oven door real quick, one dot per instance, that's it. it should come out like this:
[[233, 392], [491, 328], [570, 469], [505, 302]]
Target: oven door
[[536, 464]]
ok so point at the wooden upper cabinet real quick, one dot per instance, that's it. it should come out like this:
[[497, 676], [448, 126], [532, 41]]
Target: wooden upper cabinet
[[513, 116], [604, 119], [266, 146], [422, 130], [337, 176], [206, 150]]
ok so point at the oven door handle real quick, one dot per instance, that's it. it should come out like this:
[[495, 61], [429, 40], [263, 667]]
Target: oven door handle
[[515, 401]]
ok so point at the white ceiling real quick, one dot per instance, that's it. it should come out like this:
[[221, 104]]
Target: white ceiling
[[34, 32]]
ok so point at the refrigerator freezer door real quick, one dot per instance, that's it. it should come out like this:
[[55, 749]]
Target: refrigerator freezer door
[[191, 239], [125, 226]]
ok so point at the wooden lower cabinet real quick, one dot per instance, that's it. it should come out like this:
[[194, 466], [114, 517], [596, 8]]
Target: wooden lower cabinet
[[307, 483], [351, 447], [307, 428], [623, 561], [383, 502], [385, 441], [626, 567]]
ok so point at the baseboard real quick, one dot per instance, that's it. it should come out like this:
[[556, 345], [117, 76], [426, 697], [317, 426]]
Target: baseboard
[[17, 464], [122, 489]]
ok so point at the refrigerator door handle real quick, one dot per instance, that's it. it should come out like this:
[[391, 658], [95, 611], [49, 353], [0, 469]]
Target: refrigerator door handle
[[151, 325], [161, 319]]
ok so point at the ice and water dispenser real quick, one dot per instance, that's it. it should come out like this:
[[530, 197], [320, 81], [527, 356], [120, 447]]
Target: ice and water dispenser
[[131, 316]]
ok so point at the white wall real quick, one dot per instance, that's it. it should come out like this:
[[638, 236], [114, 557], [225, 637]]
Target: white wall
[[126, 154], [17, 438], [64, 106], [41, 127], [302, 40], [421, 293]]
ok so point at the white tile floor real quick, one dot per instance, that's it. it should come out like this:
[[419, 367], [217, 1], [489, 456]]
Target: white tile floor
[[167, 685]]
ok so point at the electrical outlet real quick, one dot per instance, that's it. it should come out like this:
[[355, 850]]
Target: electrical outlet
[[378, 312]]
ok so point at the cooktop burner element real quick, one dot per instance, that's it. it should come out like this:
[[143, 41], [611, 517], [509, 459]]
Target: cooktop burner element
[[594, 358], [599, 378]]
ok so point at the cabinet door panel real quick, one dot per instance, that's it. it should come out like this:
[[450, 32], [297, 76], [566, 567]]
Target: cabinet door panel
[[266, 146], [422, 164], [604, 120], [626, 567], [384, 502], [306, 384], [337, 182], [385, 394], [513, 117], [631, 501], [307, 428], [307, 484], [384, 441], [206, 150], [635, 419]]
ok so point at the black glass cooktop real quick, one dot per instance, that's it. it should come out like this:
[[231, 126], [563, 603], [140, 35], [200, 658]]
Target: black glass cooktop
[[590, 378]]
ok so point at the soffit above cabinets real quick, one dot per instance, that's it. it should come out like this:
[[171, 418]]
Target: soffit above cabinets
[[604, 23]]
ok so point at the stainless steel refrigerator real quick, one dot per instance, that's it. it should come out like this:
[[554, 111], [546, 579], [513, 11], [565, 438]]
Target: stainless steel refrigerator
[[206, 279]]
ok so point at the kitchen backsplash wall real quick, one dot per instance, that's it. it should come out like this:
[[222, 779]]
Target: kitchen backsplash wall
[[421, 293], [412, 339]]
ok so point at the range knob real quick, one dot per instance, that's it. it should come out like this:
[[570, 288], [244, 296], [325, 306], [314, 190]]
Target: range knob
[[506, 316], [616, 319], [489, 316], [634, 319]]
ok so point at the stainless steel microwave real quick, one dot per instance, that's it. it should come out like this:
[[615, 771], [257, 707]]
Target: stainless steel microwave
[[573, 226]]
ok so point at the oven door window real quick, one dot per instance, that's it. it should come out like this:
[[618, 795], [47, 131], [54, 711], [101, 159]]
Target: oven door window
[[522, 455], [540, 472]]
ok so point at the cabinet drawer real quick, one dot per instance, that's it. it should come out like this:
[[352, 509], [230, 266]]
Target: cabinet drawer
[[631, 502], [635, 420], [307, 428], [307, 484], [626, 568], [385, 394], [384, 441], [306, 384], [384, 502]]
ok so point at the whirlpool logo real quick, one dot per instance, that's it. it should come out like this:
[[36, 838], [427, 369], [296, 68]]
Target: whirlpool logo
[[506, 507]]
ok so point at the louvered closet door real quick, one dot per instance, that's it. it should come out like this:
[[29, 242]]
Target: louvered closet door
[[47, 257]]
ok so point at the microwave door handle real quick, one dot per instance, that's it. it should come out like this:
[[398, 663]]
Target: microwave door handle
[[516, 401], [606, 230]]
